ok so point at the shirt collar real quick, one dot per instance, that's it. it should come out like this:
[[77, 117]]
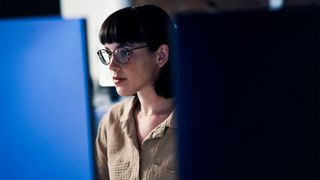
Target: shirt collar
[[171, 120], [128, 114]]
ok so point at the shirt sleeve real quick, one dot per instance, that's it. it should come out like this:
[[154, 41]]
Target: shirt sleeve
[[101, 158]]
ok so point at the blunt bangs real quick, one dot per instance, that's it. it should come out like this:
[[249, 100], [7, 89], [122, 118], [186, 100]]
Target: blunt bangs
[[122, 27]]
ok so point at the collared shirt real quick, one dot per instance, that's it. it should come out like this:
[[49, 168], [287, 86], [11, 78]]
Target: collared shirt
[[119, 156]]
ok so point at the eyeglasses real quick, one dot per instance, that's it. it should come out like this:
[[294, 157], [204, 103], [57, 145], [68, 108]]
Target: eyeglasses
[[121, 54]]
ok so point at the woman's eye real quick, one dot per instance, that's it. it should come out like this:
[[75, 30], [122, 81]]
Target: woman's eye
[[124, 53]]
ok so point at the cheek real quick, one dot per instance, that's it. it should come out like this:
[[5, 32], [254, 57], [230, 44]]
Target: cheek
[[143, 69], [151, 73], [152, 69]]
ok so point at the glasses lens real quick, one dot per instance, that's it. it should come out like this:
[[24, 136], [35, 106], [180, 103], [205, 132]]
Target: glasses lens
[[104, 56], [122, 55]]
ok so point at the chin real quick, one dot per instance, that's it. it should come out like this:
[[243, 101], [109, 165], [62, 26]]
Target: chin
[[123, 92]]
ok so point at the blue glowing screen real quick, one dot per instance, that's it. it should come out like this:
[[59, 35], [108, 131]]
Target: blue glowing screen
[[44, 100]]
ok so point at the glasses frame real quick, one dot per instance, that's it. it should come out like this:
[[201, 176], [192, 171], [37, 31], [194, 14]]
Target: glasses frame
[[112, 54]]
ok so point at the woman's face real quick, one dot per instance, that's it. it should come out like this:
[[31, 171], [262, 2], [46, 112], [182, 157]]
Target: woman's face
[[138, 74]]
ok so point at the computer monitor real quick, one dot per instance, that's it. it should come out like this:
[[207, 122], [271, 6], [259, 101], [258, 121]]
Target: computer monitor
[[247, 86], [45, 114]]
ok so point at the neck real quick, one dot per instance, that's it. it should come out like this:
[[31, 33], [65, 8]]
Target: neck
[[151, 104]]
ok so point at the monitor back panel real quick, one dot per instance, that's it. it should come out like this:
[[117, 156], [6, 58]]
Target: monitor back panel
[[247, 86]]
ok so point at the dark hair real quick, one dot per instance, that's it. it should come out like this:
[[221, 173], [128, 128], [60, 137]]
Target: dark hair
[[149, 24]]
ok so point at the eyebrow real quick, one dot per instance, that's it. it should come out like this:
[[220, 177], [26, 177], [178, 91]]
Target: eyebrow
[[120, 45], [125, 44]]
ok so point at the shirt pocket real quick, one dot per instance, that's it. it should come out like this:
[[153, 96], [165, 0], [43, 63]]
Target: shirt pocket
[[160, 173], [119, 171]]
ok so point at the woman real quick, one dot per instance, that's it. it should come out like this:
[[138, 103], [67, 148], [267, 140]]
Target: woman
[[136, 138]]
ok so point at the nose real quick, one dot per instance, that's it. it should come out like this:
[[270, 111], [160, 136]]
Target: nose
[[114, 65]]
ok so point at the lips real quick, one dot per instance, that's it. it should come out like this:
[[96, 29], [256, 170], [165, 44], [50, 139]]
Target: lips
[[118, 80]]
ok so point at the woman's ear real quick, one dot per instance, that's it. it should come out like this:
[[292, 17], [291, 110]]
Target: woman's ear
[[162, 55]]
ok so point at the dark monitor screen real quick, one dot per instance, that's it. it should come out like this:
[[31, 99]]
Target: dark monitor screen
[[45, 119], [247, 86]]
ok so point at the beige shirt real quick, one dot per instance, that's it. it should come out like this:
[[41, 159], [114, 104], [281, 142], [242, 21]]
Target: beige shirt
[[119, 156]]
